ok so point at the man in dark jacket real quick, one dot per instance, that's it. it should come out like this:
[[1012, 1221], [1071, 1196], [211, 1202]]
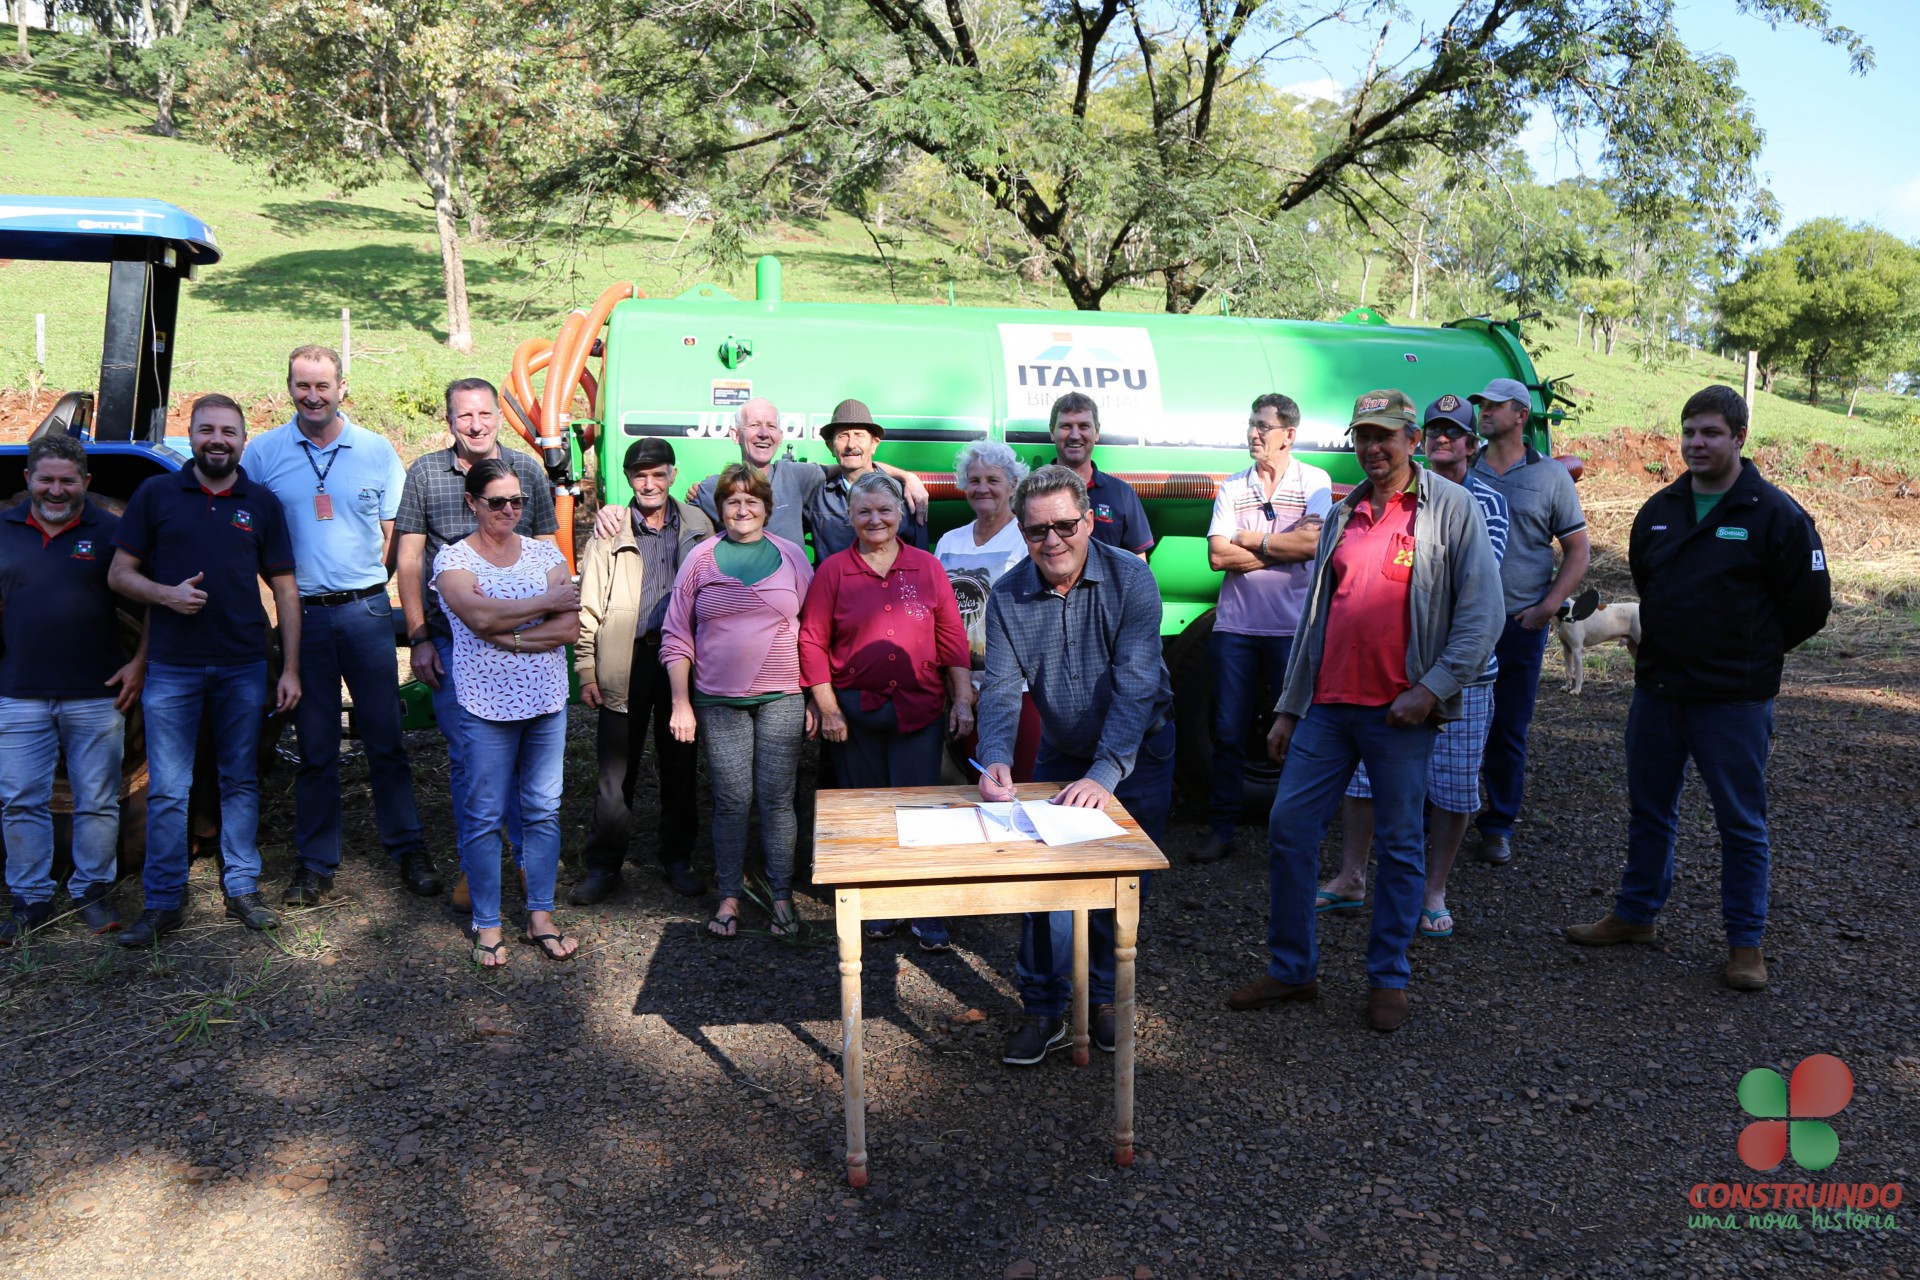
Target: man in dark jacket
[[1731, 575]]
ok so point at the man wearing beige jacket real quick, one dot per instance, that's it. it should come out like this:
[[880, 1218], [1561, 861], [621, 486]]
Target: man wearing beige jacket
[[625, 581]]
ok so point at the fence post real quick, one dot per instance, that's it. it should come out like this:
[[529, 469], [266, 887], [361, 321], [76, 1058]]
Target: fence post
[[346, 343], [39, 324]]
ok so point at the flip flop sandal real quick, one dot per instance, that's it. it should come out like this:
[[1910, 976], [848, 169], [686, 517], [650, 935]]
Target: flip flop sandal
[[729, 928], [1324, 901], [547, 942], [784, 926], [1433, 918], [498, 951]]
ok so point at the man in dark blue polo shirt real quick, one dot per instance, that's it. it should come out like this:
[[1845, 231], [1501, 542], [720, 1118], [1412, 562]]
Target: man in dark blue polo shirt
[[1118, 518], [61, 661], [193, 546]]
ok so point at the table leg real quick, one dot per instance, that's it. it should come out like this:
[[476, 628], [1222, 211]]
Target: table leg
[[1126, 934], [1080, 1055], [852, 1064]]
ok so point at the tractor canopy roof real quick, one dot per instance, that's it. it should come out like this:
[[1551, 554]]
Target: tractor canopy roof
[[83, 229]]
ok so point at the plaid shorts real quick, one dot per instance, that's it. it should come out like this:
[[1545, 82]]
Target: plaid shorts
[[1453, 770]]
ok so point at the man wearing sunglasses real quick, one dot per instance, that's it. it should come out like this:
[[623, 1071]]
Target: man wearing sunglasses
[[1266, 523], [1078, 622]]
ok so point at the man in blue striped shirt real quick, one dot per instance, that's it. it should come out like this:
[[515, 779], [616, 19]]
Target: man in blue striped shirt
[[1078, 623]]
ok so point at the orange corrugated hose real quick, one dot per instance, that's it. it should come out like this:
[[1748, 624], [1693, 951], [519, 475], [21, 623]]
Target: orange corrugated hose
[[545, 421]]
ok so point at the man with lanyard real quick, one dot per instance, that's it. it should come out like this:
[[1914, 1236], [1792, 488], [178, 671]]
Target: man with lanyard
[[1453, 770], [1078, 622], [1544, 508], [340, 486], [1731, 576], [1266, 524], [65, 681], [625, 584], [433, 512], [1118, 518], [193, 546], [853, 437], [1402, 611], [757, 430]]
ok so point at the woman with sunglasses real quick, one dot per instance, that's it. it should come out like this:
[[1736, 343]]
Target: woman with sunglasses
[[731, 646], [514, 610]]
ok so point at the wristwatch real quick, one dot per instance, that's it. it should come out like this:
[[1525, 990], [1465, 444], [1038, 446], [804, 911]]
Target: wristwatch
[[416, 641]]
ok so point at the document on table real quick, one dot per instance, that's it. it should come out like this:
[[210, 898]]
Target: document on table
[[1026, 820]]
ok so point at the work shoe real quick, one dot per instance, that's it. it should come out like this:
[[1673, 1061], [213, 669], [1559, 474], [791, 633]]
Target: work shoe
[[154, 923], [252, 911], [306, 888], [1386, 1008], [1212, 851], [1608, 931], [685, 883], [1103, 1027], [461, 897], [1580, 607], [1746, 969], [881, 930], [932, 936], [97, 911], [417, 872], [1034, 1040], [23, 921], [1265, 991], [1497, 850], [595, 886]]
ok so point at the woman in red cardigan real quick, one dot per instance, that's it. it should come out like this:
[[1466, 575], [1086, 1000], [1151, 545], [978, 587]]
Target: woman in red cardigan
[[884, 656]]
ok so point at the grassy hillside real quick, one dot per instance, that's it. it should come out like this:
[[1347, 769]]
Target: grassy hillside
[[296, 256]]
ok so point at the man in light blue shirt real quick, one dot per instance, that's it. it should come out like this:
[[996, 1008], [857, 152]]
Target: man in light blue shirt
[[340, 485]]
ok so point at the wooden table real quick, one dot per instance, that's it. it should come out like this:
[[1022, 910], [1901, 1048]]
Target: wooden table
[[856, 848]]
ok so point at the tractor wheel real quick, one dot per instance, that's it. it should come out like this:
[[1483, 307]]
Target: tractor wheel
[[1189, 663]]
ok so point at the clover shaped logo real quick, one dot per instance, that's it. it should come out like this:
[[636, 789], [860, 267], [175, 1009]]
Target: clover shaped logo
[[1790, 1116]]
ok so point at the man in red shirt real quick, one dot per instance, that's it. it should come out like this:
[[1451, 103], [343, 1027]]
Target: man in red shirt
[[1401, 613]]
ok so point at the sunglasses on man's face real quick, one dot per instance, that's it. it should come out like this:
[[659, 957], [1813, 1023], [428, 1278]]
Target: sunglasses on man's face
[[1063, 528], [516, 501]]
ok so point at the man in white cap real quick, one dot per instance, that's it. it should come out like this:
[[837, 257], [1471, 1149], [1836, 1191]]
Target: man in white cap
[[1544, 509]]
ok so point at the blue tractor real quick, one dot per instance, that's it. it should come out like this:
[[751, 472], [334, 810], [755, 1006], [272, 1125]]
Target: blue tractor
[[150, 248]]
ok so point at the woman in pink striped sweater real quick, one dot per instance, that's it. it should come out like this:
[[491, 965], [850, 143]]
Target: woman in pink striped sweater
[[730, 644]]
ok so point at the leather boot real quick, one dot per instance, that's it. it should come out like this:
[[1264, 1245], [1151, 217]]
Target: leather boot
[[1746, 969]]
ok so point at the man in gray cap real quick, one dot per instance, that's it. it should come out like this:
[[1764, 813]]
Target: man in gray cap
[[1544, 509], [853, 437], [625, 581]]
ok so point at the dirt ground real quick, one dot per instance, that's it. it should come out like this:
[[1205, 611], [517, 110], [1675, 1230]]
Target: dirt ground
[[350, 1099]]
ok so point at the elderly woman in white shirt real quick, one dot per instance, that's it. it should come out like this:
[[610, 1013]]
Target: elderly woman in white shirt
[[514, 610]]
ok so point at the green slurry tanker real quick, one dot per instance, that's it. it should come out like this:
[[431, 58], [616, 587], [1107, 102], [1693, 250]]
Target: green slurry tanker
[[1174, 395]]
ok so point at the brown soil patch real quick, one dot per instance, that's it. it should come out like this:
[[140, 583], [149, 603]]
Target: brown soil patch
[[21, 412]]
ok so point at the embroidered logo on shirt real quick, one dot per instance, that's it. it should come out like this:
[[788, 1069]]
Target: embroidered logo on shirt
[[1731, 532], [1820, 561], [83, 550], [1102, 511], [243, 520]]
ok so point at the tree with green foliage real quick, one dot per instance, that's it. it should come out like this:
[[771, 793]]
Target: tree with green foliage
[[1137, 143], [452, 89], [1842, 302]]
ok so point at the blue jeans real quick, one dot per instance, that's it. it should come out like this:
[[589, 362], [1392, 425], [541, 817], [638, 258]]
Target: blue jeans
[[1247, 674], [534, 751], [354, 642], [1728, 743], [1327, 743], [234, 700], [452, 719], [1504, 766], [1044, 967], [34, 732]]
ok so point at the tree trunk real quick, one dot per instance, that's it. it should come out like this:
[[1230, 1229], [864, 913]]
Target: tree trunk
[[24, 54], [1813, 382], [163, 107], [1612, 330], [1766, 378], [1579, 329], [441, 142], [1183, 292], [1413, 269], [1366, 274], [1853, 398]]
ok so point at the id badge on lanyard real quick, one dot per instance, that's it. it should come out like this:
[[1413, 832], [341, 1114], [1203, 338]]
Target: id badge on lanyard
[[322, 500]]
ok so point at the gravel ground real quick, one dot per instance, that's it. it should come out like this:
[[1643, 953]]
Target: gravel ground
[[356, 1101]]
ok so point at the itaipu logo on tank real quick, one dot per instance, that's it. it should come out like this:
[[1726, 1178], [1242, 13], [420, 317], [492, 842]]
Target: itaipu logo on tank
[[1114, 364]]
